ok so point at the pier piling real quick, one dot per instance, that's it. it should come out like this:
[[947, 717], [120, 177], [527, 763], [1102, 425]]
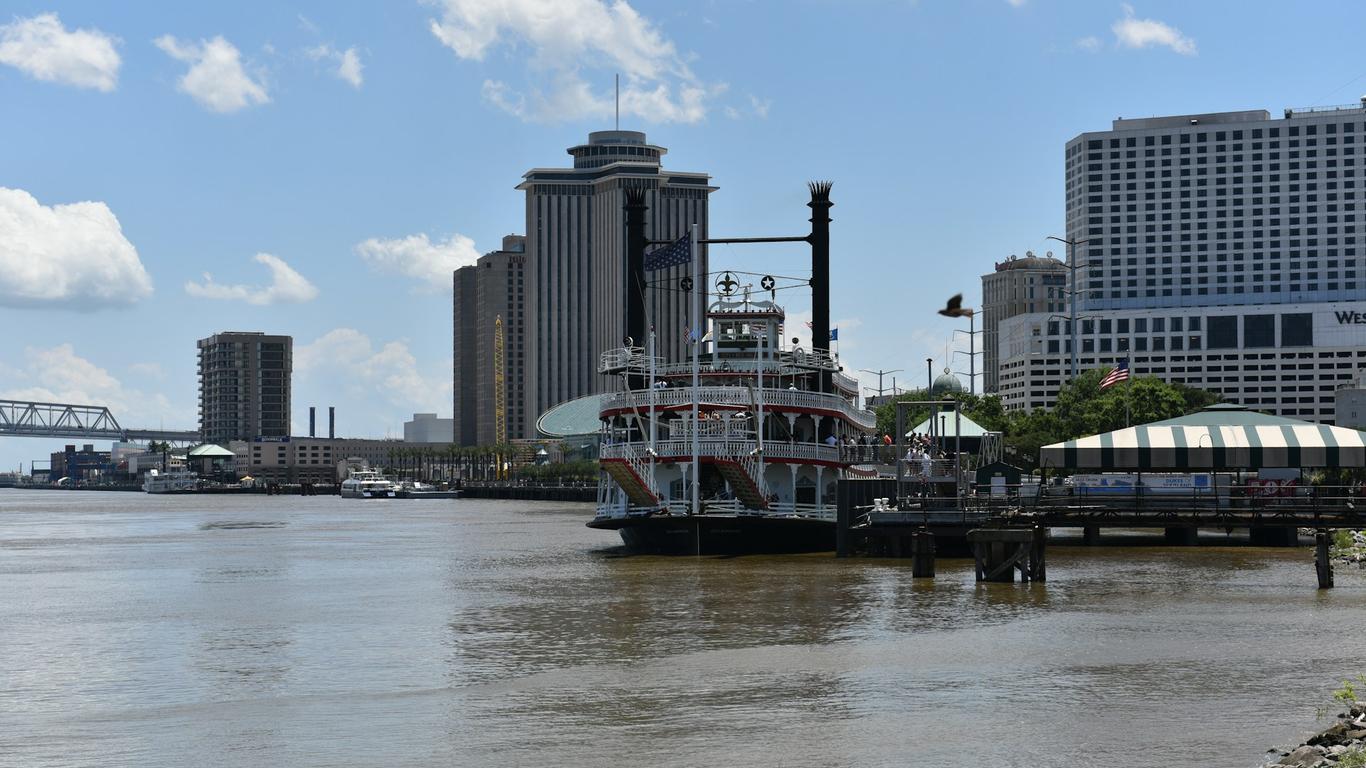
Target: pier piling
[[1323, 563], [922, 555], [1090, 535], [1180, 536], [999, 552]]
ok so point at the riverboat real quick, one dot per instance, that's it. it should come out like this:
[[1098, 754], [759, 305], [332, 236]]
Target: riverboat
[[737, 451], [367, 484], [179, 481]]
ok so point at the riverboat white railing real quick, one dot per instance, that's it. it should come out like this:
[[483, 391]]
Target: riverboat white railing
[[681, 450], [683, 508], [785, 363], [742, 397], [847, 383]]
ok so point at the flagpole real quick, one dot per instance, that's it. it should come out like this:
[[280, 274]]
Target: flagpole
[[653, 392], [696, 374], [1128, 393]]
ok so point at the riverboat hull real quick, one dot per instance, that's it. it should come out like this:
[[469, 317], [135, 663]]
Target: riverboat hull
[[721, 534]]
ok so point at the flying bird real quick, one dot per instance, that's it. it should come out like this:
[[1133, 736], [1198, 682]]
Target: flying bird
[[955, 308]]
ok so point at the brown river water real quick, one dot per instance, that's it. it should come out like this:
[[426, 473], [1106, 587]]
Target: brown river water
[[144, 630]]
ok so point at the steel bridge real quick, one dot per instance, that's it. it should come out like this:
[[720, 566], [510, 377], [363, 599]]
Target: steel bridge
[[21, 418]]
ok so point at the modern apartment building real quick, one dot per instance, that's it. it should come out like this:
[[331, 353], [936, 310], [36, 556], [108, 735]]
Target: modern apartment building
[[576, 266], [492, 291], [244, 386], [1017, 287], [1224, 251]]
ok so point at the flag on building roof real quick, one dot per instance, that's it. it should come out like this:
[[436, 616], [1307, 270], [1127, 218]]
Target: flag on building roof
[[1116, 375], [673, 254]]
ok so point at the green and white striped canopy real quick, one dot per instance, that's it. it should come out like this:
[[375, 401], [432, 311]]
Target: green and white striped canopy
[[1220, 437]]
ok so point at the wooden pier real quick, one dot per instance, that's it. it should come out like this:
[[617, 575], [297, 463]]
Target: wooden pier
[[1006, 537]]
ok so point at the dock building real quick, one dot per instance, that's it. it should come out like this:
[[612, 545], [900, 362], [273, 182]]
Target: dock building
[[1223, 251], [244, 386]]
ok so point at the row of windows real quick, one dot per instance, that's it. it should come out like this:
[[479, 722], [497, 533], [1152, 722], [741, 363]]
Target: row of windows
[[1201, 137]]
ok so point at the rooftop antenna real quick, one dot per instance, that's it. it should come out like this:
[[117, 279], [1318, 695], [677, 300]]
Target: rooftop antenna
[[618, 78]]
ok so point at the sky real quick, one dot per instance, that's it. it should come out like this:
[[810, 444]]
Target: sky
[[171, 170]]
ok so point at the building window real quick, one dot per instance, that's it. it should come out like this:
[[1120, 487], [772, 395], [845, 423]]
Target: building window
[[1297, 330], [1258, 331], [1223, 331]]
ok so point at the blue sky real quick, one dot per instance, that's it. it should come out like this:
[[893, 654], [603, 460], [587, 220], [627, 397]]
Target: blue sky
[[328, 164]]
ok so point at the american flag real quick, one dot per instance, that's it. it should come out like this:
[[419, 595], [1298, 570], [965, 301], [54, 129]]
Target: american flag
[[677, 252], [834, 332], [1116, 375]]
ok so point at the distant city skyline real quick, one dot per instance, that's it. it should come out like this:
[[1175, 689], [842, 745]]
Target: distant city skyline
[[319, 171]]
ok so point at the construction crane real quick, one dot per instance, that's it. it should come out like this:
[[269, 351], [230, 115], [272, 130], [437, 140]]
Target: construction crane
[[500, 415]]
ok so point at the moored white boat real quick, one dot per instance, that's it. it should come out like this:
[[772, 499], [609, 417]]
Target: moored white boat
[[367, 484]]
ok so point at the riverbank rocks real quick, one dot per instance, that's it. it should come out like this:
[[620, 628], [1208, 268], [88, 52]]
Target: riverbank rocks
[[1355, 552], [1342, 743]]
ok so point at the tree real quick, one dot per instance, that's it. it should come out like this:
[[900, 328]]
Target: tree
[[1083, 408], [986, 410]]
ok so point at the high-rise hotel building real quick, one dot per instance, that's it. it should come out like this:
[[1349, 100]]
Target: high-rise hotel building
[[576, 263], [244, 386], [1225, 251], [491, 290], [1017, 287]]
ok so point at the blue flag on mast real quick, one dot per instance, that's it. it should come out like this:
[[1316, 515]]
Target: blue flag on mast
[[673, 254]]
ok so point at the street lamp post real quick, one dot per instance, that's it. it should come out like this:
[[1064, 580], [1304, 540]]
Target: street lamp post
[[972, 351], [1072, 277], [880, 373]]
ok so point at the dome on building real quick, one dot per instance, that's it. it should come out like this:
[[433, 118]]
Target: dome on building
[[946, 384], [1030, 261]]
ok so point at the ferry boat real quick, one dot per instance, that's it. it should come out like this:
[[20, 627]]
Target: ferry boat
[[367, 484], [178, 481], [740, 456]]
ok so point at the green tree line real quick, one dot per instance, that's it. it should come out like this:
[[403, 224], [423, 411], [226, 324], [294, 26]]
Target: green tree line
[[1082, 408]]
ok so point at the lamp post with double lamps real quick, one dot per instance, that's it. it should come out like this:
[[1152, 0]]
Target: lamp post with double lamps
[[1073, 291]]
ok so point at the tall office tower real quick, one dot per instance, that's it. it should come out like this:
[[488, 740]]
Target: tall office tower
[[1017, 287], [493, 289], [244, 386], [576, 265], [1224, 251]]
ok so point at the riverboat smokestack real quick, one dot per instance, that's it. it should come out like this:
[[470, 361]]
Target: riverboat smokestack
[[820, 269], [331, 422], [635, 268], [312, 421], [635, 265]]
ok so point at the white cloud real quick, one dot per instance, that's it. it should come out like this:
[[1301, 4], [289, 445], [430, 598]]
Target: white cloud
[[760, 106], [1016, 3], [346, 358], [73, 254], [286, 286], [348, 64], [59, 375], [417, 257], [148, 370], [1090, 43], [1133, 32], [215, 78], [44, 49], [567, 38]]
